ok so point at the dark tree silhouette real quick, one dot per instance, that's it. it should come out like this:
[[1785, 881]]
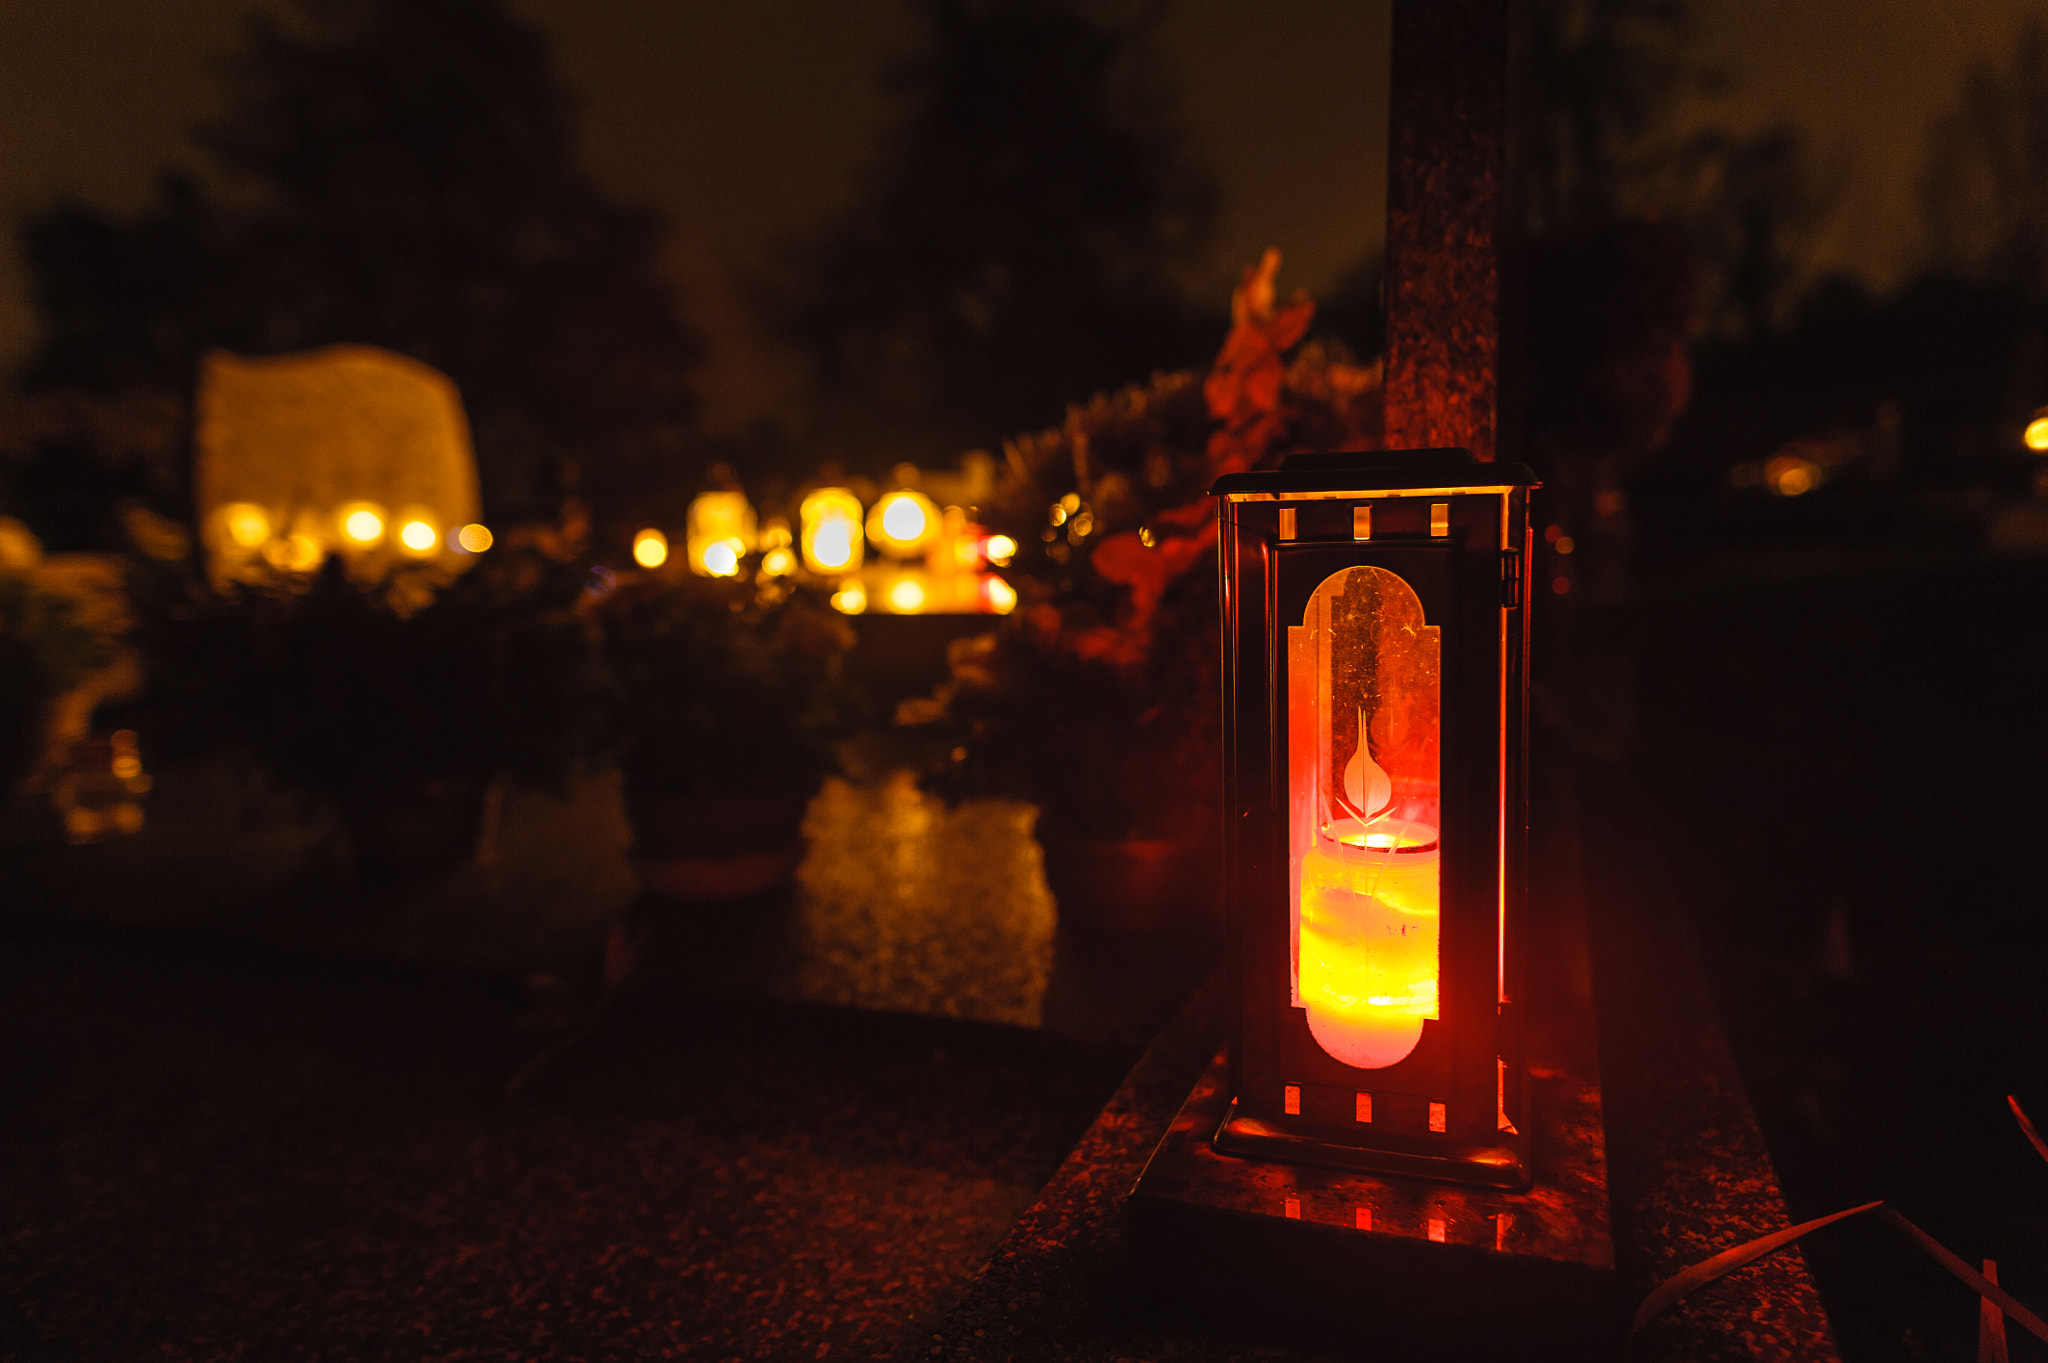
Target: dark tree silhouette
[[1984, 188], [1015, 244], [1598, 145], [401, 173]]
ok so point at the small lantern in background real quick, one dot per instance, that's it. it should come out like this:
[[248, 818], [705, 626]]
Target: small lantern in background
[[903, 523], [721, 533], [832, 543], [1374, 713]]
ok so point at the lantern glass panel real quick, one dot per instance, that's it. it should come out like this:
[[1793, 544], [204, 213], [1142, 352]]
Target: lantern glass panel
[[1364, 704]]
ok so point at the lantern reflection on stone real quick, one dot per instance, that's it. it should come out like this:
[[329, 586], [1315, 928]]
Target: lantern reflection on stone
[[1374, 710]]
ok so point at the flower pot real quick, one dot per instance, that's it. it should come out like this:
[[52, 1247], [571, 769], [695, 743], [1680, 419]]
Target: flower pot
[[407, 828], [1132, 884], [715, 846]]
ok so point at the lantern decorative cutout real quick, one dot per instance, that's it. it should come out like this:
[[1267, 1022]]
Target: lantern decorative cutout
[[831, 541], [1375, 650], [721, 533]]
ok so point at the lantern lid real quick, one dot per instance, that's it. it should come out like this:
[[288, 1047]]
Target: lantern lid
[[1373, 471]]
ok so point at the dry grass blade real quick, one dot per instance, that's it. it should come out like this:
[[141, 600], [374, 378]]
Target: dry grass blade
[[1990, 1323], [1987, 1289], [2040, 1146], [1688, 1280]]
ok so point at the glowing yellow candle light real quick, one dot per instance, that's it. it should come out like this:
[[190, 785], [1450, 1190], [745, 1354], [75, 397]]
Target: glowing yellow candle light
[[721, 533], [362, 523], [247, 524], [831, 541], [418, 534], [1000, 549], [850, 600], [650, 548], [906, 596], [1000, 595], [1363, 673], [721, 558], [903, 523]]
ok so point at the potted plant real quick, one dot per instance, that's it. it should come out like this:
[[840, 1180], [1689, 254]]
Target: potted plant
[[728, 698], [397, 700], [1098, 699], [44, 652]]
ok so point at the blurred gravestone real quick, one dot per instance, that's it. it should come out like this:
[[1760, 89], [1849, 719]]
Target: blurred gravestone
[[302, 436]]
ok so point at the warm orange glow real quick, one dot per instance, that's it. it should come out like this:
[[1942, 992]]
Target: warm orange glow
[[721, 533], [1362, 719], [850, 600], [1791, 476], [778, 563], [650, 548], [1000, 550], [475, 538], [831, 540], [1000, 595], [775, 534], [362, 523], [903, 523], [302, 553], [246, 523], [906, 597], [418, 536], [2036, 435]]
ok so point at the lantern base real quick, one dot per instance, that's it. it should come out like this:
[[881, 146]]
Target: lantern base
[[1488, 1166], [1389, 1257]]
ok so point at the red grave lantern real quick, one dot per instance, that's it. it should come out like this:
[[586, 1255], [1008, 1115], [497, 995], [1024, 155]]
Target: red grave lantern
[[1375, 709]]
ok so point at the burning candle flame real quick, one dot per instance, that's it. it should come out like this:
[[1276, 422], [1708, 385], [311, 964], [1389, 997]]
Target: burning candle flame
[[1368, 790]]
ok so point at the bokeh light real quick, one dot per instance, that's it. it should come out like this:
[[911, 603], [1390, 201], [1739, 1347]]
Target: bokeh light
[[1000, 595], [418, 536], [850, 600], [475, 538], [362, 523], [722, 558], [903, 522], [650, 548], [906, 596], [1000, 549], [247, 525]]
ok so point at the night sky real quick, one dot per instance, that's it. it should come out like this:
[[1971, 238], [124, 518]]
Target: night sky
[[746, 123]]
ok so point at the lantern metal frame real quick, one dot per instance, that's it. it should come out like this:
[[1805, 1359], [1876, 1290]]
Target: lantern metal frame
[[1457, 532]]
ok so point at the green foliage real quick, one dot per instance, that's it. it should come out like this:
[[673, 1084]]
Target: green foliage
[[721, 687], [341, 686], [402, 173]]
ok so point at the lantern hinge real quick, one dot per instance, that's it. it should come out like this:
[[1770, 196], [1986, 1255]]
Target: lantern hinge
[[1511, 577]]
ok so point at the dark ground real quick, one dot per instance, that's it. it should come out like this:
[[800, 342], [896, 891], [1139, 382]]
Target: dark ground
[[215, 1152], [1843, 754]]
